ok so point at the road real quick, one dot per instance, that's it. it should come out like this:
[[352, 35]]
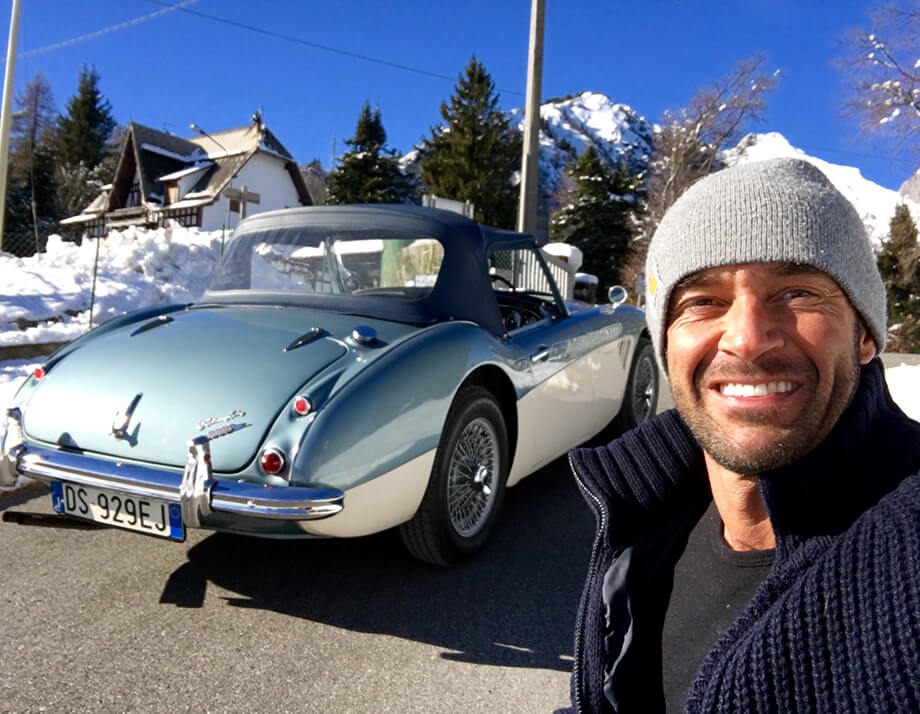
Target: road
[[105, 620]]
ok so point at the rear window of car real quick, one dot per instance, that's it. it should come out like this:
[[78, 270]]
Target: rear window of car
[[341, 262]]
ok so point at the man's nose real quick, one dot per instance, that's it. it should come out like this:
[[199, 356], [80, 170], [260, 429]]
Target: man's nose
[[749, 330]]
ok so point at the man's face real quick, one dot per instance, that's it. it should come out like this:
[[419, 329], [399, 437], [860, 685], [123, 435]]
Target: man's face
[[763, 358]]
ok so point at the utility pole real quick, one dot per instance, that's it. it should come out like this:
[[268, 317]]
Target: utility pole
[[527, 208], [6, 111]]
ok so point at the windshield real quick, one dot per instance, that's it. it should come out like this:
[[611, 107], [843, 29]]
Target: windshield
[[320, 260]]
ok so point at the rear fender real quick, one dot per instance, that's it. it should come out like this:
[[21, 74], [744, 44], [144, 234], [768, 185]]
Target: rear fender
[[393, 412]]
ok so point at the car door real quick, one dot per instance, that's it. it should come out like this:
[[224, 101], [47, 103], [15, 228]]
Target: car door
[[556, 412]]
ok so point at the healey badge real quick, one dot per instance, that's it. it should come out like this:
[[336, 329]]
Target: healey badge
[[122, 419]]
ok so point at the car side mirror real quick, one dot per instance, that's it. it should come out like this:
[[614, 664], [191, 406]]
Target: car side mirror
[[617, 295]]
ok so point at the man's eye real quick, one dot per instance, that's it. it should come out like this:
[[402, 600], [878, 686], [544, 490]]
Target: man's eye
[[701, 302], [794, 293]]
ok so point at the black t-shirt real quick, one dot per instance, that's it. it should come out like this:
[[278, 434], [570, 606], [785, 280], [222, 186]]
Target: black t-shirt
[[712, 584]]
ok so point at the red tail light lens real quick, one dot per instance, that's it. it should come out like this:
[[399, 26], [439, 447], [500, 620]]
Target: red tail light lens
[[302, 405], [272, 461], [39, 372]]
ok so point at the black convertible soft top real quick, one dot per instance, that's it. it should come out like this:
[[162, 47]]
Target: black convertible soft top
[[463, 290]]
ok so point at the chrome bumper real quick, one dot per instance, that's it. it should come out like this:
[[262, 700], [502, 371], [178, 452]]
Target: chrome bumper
[[198, 493]]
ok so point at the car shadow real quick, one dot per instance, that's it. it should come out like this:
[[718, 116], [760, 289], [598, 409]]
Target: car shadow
[[512, 605]]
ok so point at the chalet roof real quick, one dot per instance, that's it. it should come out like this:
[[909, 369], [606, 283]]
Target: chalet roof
[[158, 157], [156, 153], [231, 148], [175, 175]]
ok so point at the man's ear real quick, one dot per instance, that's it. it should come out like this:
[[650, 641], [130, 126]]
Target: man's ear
[[867, 350]]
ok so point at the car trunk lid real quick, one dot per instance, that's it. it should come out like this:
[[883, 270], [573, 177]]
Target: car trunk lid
[[167, 380]]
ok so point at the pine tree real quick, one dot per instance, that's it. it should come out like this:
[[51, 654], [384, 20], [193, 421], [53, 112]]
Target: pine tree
[[475, 156], [86, 127], [899, 264], [84, 145], [596, 218], [369, 172]]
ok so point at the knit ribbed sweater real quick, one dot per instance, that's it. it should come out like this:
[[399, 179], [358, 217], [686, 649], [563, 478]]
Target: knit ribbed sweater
[[835, 627]]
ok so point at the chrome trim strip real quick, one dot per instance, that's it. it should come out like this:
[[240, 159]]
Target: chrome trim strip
[[195, 489], [155, 322], [308, 336], [11, 447]]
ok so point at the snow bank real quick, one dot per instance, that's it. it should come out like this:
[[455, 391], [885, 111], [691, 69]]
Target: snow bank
[[46, 297]]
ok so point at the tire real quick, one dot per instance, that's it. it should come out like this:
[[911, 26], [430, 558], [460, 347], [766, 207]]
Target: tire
[[641, 397], [467, 482]]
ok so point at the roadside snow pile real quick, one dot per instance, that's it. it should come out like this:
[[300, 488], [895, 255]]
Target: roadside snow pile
[[46, 297]]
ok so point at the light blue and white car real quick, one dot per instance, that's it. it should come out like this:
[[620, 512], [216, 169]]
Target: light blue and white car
[[349, 369]]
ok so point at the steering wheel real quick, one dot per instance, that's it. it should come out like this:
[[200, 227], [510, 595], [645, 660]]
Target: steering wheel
[[502, 279]]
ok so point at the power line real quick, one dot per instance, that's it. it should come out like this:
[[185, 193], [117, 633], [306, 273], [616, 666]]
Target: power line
[[316, 45], [103, 31]]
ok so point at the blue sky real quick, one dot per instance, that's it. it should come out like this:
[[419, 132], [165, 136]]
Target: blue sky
[[181, 67]]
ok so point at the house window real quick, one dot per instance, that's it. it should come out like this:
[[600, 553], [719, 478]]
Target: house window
[[134, 195], [172, 193], [187, 217]]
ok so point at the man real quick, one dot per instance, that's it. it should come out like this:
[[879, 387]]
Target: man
[[759, 549]]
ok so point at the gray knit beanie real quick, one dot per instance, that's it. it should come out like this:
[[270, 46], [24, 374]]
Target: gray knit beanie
[[777, 210]]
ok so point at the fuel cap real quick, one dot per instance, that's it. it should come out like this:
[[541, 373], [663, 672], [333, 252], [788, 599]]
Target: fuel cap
[[364, 335]]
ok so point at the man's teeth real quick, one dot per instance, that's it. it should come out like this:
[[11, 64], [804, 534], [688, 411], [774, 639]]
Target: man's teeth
[[755, 390]]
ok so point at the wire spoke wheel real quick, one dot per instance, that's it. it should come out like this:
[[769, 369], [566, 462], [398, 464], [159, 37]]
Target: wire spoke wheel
[[640, 399], [467, 482], [644, 387], [471, 476]]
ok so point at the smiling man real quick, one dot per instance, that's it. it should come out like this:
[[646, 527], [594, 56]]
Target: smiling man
[[759, 548]]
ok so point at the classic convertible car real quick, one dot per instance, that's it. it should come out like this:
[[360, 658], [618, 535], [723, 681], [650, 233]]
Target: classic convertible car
[[349, 369]]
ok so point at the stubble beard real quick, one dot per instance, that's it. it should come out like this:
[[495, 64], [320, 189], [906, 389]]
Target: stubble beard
[[793, 441]]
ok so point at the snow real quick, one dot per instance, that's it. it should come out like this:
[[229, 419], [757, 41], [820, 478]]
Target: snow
[[570, 125], [569, 253], [51, 291]]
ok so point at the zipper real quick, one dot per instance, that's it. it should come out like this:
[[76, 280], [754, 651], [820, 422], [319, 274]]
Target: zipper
[[592, 572]]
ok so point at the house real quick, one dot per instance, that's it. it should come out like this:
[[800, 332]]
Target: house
[[211, 181]]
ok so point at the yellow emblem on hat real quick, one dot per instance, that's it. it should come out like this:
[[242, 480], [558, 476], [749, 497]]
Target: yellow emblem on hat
[[652, 282]]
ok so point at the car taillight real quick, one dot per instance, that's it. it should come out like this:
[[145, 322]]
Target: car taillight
[[302, 405], [272, 461], [39, 372]]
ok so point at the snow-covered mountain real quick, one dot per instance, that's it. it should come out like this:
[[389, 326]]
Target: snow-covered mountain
[[571, 124]]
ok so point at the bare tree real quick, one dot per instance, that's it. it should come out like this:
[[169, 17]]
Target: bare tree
[[686, 145], [882, 71]]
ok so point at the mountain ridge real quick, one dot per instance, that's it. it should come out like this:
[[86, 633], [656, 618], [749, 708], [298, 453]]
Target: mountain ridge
[[568, 125]]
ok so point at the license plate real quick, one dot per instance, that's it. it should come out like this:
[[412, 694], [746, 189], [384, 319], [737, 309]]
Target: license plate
[[146, 515]]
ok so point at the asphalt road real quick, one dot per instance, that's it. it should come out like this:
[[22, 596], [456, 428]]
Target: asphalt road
[[106, 620]]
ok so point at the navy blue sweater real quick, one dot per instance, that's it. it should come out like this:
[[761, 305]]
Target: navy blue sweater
[[836, 624]]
